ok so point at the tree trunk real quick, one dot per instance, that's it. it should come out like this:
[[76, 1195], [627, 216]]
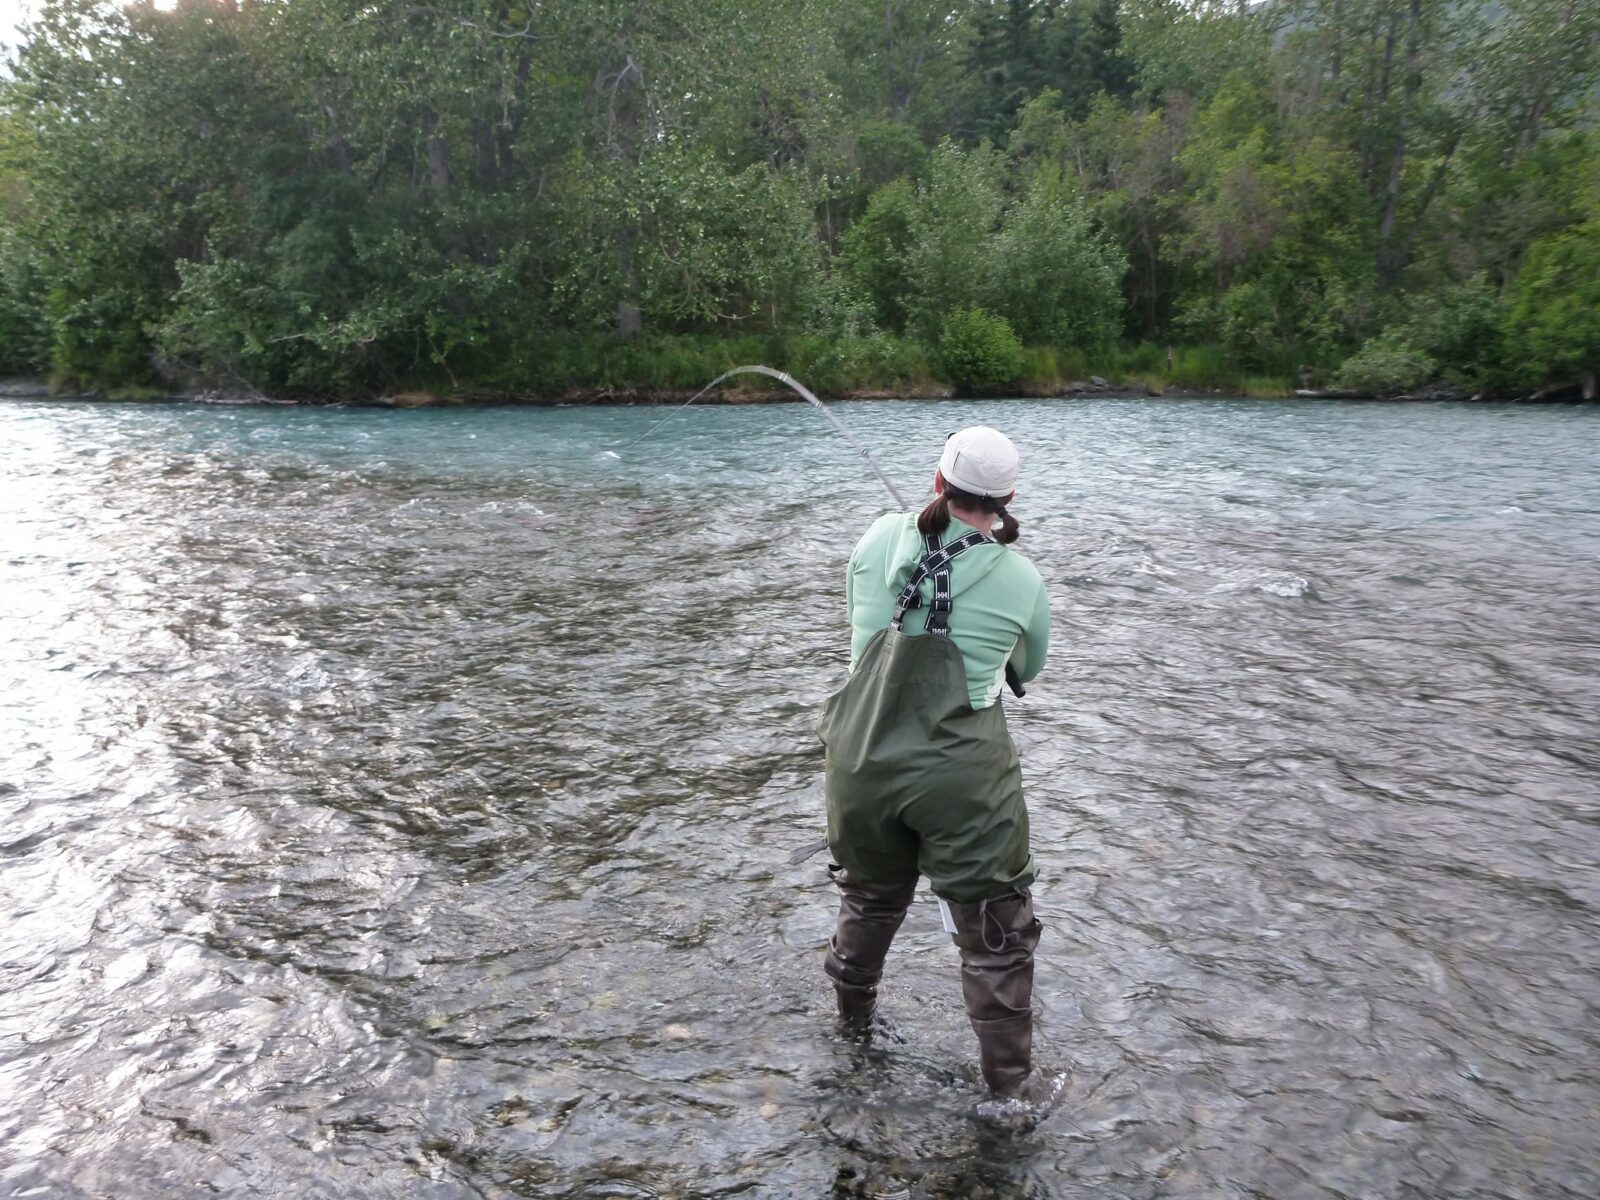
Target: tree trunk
[[1153, 260], [338, 149], [630, 321], [1388, 261], [439, 177], [1541, 99], [1377, 93], [506, 133], [1338, 49], [1403, 259], [485, 145], [1388, 58]]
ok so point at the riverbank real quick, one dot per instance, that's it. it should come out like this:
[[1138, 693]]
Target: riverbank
[[734, 393]]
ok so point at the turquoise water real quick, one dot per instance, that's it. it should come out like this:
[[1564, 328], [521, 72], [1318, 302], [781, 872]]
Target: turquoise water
[[397, 803]]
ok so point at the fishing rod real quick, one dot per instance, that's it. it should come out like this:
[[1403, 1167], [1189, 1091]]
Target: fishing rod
[[805, 393], [1013, 680]]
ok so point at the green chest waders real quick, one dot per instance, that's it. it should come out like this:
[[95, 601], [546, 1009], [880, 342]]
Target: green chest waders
[[918, 781]]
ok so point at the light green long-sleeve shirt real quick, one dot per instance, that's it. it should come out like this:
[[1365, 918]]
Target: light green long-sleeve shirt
[[999, 609]]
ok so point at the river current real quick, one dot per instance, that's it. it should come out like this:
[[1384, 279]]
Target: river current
[[398, 804]]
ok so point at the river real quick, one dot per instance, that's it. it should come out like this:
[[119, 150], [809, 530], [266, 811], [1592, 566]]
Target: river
[[397, 804]]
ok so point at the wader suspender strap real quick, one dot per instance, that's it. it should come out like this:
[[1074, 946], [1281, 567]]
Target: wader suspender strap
[[938, 622], [936, 563]]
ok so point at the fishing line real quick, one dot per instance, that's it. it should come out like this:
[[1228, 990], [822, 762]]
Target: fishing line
[[785, 378]]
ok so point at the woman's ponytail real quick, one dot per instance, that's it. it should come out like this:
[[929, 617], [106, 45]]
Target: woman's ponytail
[[1009, 528], [935, 518]]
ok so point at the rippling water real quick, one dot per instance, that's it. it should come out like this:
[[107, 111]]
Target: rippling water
[[397, 804]]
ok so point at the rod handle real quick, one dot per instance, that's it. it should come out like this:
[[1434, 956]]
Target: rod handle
[[1014, 682]]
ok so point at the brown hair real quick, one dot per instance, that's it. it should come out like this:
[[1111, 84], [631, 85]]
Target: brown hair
[[936, 517]]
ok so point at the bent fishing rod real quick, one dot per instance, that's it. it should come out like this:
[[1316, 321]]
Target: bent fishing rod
[[1013, 681], [805, 393]]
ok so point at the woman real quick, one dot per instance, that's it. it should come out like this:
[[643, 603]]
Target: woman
[[922, 775]]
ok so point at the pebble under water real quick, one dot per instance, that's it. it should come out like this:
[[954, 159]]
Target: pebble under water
[[398, 804]]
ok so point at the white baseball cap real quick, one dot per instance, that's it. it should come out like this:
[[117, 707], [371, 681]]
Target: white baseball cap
[[981, 461]]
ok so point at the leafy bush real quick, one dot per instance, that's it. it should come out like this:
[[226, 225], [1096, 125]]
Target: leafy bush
[[1057, 279], [832, 365], [876, 252], [1204, 367], [1462, 329], [1555, 312], [951, 260], [693, 241], [24, 327], [889, 150], [1143, 359], [1041, 369], [1385, 366], [841, 309], [100, 338], [979, 352], [551, 363]]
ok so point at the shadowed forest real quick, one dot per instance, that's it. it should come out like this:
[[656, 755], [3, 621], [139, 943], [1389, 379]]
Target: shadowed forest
[[330, 199]]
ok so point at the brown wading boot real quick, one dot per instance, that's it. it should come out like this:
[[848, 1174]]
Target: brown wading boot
[[869, 916], [997, 939]]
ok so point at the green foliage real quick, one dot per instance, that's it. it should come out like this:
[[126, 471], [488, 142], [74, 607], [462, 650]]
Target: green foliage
[[896, 62], [556, 365], [1275, 233], [1204, 368], [1057, 278], [1385, 366], [979, 352], [1042, 137], [876, 252], [955, 242], [1187, 49], [1463, 330], [1555, 311], [879, 362], [1012, 52], [24, 324], [889, 150], [693, 244], [331, 197], [262, 321], [98, 331], [1145, 358], [950, 263], [564, 364], [1041, 370]]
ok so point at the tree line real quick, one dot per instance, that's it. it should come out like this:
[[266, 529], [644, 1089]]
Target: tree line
[[332, 198]]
